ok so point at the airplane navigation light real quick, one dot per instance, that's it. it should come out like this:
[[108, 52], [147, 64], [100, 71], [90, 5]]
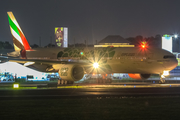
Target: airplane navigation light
[[144, 45], [81, 53], [165, 73]]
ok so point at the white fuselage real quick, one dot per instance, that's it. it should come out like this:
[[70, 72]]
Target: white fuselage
[[116, 60]]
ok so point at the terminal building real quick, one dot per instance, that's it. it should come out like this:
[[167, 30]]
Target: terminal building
[[114, 41]]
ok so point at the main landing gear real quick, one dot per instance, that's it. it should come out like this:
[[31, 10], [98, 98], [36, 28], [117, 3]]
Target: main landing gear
[[64, 82], [162, 81], [104, 79], [100, 80]]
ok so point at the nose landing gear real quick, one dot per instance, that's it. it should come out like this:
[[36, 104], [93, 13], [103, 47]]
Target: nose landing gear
[[162, 79]]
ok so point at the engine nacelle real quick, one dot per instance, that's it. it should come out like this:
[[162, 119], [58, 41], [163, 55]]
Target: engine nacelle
[[139, 76], [71, 72]]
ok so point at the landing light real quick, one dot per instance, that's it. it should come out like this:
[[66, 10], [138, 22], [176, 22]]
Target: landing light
[[165, 73], [95, 65]]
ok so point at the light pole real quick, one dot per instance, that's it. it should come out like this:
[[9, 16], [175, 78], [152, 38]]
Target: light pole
[[175, 36]]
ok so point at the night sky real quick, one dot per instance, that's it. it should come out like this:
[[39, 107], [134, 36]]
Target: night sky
[[90, 19]]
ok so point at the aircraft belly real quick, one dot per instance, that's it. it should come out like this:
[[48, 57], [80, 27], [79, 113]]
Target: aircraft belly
[[137, 67]]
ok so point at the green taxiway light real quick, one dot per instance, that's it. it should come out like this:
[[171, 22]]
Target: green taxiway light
[[81, 53]]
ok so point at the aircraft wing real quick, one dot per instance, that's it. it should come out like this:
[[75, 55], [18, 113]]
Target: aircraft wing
[[44, 61], [42, 64]]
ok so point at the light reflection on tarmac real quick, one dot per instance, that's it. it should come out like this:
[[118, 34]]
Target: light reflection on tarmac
[[46, 91], [120, 85], [82, 85]]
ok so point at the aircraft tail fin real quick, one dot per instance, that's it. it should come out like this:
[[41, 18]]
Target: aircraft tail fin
[[19, 40]]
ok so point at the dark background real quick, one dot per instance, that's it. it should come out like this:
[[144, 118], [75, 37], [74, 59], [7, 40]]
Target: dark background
[[90, 20]]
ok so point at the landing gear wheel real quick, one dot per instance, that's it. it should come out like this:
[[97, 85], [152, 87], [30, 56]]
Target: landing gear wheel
[[59, 82], [62, 82], [65, 82], [162, 81], [109, 80], [70, 82], [104, 81], [97, 81], [100, 81]]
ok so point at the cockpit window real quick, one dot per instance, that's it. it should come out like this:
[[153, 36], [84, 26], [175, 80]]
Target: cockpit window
[[169, 56]]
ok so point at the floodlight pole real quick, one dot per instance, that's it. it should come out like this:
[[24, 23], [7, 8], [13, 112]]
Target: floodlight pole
[[175, 36]]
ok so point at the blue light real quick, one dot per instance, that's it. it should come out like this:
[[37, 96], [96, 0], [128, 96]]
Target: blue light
[[134, 86]]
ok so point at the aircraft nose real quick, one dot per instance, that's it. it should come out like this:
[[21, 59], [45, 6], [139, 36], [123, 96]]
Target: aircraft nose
[[174, 63]]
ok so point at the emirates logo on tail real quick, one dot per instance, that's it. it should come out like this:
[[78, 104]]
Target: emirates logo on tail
[[19, 40]]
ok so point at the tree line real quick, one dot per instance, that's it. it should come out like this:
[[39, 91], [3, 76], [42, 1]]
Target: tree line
[[151, 41], [5, 45]]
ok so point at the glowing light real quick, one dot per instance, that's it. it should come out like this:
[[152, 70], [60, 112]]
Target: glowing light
[[143, 44], [81, 53], [165, 73], [175, 36], [95, 65], [15, 85], [28, 63]]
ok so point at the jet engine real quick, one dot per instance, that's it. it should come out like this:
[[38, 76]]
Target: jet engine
[[71, 72], [139, 76]]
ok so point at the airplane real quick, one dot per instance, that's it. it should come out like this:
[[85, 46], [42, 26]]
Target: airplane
[[72, 63]]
